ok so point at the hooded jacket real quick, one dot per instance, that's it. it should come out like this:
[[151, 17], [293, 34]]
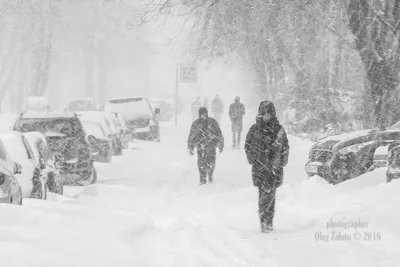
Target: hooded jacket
[[267, 147], [205, 133]]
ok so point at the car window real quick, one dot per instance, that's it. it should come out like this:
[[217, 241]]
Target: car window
[[28, 149]]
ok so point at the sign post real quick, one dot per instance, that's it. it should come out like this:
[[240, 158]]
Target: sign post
[[185, 74]]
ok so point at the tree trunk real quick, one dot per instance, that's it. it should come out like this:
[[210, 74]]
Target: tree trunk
[[373, 43]]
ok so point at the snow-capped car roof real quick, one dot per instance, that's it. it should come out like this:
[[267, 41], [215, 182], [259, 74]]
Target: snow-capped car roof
[[126, 97], [34, 136], [47, 115], [345, 136], [6, 134]]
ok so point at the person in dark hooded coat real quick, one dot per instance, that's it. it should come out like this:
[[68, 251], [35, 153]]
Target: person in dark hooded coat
[[267, 150], [236, 113], [205, 135]]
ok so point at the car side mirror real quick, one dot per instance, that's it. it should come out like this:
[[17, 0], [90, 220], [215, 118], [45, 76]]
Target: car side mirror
[[17, 168], [157, 111]]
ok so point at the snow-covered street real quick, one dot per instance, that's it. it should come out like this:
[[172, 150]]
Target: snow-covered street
[[147, 209]]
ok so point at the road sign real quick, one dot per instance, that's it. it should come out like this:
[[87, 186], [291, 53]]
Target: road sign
[[188, 73]]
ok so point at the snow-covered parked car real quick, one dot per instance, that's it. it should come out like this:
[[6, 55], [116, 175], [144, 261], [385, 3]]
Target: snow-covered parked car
[[10, 190], [326, 154], [105, 119], [166, 108], [66, 139], [138, 114], [126, 136], [385, 139], [31, 180], [393, 169], [45, 160], [100, 144], [342, 157], [80, 104]]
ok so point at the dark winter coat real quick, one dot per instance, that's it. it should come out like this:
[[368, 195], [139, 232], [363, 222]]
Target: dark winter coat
[[206, 134], [267, 149], [236, 113], [217, 106]]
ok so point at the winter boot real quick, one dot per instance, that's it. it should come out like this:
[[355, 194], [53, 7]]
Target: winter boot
[[203, 180], [264, 227], [270, 227]]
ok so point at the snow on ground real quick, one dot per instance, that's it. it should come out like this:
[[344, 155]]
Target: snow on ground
[[147, 209]]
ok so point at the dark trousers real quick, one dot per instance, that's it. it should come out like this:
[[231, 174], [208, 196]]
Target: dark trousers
[[206, 164], [236, 139], [266, 204]]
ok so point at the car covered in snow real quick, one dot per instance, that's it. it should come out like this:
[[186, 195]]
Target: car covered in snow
[[342, 157], [106, 120], [10, 190], [138, 114], [166, 108], [385, 139], [38, 103], [29, 176], [393, 162], [80, 104], [126, 135], [45, 160], [100, 144], [67, 141]]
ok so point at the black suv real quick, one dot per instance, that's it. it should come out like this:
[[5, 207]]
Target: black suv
[[67, 141]]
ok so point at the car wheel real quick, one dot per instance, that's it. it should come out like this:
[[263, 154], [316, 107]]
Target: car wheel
[[59, 189], [119, 150], [55, 185], [105, 156], [39, 190], [94, 177]]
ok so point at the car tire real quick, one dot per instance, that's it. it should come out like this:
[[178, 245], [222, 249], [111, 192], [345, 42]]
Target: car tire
[[55, 185], [106, 156], [94, 176], [39, 190]]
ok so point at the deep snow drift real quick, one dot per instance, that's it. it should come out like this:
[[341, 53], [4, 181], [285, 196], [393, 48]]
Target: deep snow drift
[[148, 210]]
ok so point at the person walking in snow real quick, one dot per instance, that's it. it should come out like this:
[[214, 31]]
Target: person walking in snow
[[205, 135], [205, 105], [195, 108], [267, 150], [236, 113], [217, 108]]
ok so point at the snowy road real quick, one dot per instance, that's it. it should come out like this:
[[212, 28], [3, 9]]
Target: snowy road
[[148, 210]]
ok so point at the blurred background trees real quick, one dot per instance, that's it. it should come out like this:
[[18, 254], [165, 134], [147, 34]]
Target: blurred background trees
[[335, 59]]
